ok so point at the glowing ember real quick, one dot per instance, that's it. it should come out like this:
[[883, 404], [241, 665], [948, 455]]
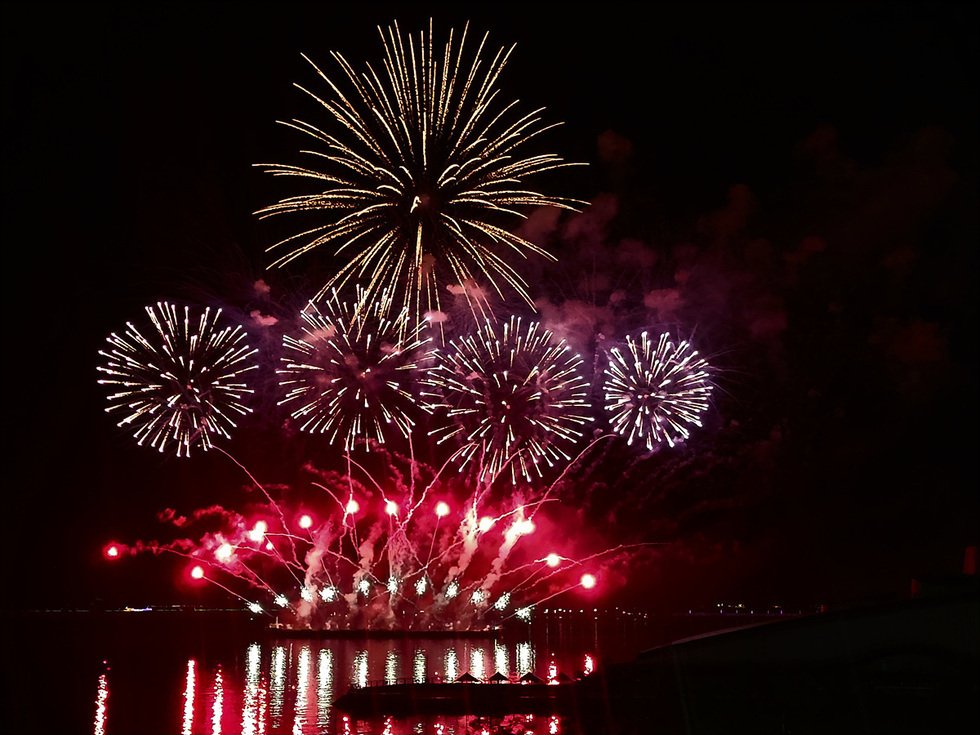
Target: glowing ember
[[258, 533], [197, 573], [305, 522], [588, 581], [552, 560]]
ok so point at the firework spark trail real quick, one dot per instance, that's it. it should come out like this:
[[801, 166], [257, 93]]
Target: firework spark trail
[[376, 596], [536, 572], [231, 592], [656, 391], [425, 169], [546, 497], [273, 503], [348, 509], [350, 374], [576, 563], [514, 398], [177, 548], [182, 384]]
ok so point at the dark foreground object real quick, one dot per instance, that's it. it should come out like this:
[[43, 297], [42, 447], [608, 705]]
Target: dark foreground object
[[458, 698], [908, 667]]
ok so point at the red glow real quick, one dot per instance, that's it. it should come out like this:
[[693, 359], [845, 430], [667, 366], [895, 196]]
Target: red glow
[[111, 551], [442, 509], [258, 533], [197, 573], [305, 521], [588, 581], [391, 508], [552, 560], [352, 507]]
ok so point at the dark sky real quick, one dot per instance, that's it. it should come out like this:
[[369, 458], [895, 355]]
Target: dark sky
[[794, 184]]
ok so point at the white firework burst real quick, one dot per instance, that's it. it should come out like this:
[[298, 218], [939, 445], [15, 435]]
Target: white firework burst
[[515, 397], [181, 384], [351, 373], [656, 391]]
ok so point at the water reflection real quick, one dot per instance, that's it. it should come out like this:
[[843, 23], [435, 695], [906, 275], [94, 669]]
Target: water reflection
[[101, 696], [359, 670], [217, 707], [325, 694], [418, 666], [278, 686], [253, 710], [302, 690], [452, 665], [189, 697], [391, 668], [501, 658], [525, 659]]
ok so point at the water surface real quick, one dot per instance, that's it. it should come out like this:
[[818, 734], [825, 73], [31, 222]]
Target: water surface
[[149, 672]]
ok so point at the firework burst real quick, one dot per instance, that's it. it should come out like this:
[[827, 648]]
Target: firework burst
[[352, 555], [424, 174], [656, 391], [515, 397], [183, 383], [351, 373]]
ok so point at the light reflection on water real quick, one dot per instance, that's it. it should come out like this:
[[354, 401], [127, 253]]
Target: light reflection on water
[[288, 686], [189, 678], [206, 672], [101, 697]]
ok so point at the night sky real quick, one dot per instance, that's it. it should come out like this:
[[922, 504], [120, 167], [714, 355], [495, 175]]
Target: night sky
[[795, 186]]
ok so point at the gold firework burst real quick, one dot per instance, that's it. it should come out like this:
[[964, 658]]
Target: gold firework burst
[[423, 176]]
